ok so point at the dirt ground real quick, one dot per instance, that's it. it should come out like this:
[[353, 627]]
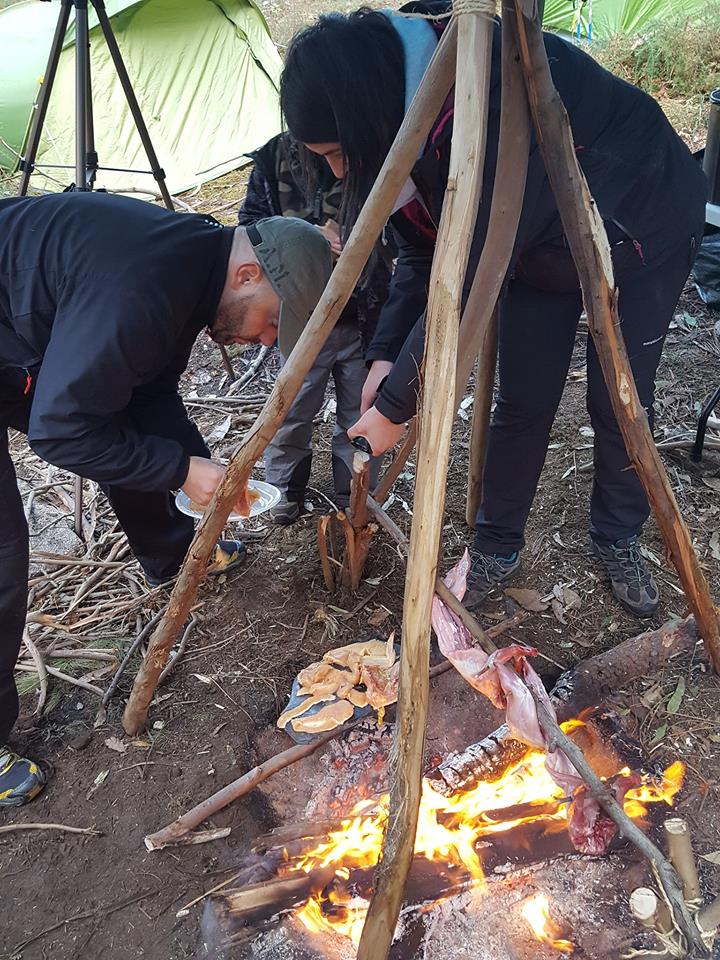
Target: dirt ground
[[68, 896]]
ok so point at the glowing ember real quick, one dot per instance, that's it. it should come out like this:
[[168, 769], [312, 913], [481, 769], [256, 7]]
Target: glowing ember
[[448, 831], [344, 917], [536, 911]]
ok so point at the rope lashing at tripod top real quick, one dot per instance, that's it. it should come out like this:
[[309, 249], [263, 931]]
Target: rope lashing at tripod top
[[487, 8]]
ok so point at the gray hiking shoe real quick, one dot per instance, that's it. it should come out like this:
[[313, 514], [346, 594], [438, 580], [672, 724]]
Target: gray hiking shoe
[[487, 570], [632, 582], [285, 512]]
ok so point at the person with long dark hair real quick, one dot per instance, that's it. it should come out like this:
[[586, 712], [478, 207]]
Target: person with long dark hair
[[347, 82]]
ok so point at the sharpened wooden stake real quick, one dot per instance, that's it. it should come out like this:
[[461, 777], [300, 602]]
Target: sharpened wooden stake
[[680, 853], [709, 917], [589, 246], [425, 106], [437, 409], [650, 911]]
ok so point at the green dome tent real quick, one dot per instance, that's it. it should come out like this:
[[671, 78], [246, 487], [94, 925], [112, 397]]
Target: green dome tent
[[205, 73], [609, 17]]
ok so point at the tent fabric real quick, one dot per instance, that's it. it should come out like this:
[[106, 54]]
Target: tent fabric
[[610, 17], [205, 73]]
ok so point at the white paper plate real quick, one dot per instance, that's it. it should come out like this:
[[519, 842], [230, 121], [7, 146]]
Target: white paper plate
[[269, 496]]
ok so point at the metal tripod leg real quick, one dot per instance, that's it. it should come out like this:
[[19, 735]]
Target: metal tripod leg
[[157, 170], [27, 162], [702, 425]]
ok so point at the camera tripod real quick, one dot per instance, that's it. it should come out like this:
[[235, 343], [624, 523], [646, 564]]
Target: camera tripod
[[86, 158]]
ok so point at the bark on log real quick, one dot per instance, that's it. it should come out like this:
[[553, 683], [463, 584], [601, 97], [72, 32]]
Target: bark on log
[[436, 416], [480, 430], [415, 127], [588, 684], [588, 243]]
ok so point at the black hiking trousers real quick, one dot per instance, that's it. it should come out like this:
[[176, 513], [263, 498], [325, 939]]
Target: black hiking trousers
[[537, 324], [158, 534]]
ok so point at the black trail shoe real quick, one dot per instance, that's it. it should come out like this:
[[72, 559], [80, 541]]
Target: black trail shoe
[[632, 582], [487, 570], [285, 512], [21, 780]]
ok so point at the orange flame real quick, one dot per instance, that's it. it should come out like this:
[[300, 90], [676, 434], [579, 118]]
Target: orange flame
[[536, 911], [449, 829]]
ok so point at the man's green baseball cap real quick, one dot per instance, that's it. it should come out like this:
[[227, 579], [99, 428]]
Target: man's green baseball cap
[[297, 260]]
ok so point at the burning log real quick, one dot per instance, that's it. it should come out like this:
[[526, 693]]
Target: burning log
[[586, 685]]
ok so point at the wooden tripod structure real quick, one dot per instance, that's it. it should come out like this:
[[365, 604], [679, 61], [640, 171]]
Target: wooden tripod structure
[[450, 351]]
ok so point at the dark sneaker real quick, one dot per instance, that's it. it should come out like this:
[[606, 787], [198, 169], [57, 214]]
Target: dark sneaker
[[632, 582], [229, 554], [285, 512], [487, 570], [21, 780], [234, 553]]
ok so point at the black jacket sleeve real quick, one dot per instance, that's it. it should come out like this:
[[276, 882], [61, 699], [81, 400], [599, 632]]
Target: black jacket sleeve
[[406, 301], [258, 202], [107, 340]]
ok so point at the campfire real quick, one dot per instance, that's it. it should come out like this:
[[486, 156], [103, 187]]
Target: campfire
[[453, 832], [319, 876]]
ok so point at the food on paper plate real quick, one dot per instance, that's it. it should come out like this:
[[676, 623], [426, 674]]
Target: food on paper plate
[[347, 679], [242, 507]]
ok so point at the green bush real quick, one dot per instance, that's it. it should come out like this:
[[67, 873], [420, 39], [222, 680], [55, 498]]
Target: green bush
[[678, 57]]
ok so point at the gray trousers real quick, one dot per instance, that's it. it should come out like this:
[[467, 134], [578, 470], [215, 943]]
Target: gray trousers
[[289, 457]]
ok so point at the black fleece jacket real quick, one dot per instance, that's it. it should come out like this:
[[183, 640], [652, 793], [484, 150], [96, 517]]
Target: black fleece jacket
[[644, 180], [101, 299]]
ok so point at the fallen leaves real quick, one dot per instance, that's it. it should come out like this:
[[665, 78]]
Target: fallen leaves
[[676, 699], [715, 545], [527, 599], [113, 743]]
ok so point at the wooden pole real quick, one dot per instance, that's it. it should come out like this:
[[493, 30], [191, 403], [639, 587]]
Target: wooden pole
[[480, 430], [588, 243], [507, 198], [400, 160], [435, 425], [680, 852]]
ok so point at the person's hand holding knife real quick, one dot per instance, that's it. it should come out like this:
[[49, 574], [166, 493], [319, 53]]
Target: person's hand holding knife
[[379, 433]]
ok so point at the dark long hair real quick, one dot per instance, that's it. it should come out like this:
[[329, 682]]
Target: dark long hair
[[344, 81]]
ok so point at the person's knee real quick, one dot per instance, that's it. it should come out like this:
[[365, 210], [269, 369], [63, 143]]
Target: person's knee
[[526, 413]]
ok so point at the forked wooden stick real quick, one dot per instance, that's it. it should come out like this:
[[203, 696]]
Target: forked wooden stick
[[437, 409], [588, 243], [402, 156]]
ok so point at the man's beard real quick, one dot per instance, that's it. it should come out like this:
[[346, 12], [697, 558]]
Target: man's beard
[[228, 324]]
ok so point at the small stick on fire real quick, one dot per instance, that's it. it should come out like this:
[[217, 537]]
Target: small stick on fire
[[628, 829]]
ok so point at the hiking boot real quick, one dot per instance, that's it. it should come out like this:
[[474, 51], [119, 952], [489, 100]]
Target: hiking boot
[[632, 582], [233, 553], [285, 512], [487, 570], [21, 780]]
